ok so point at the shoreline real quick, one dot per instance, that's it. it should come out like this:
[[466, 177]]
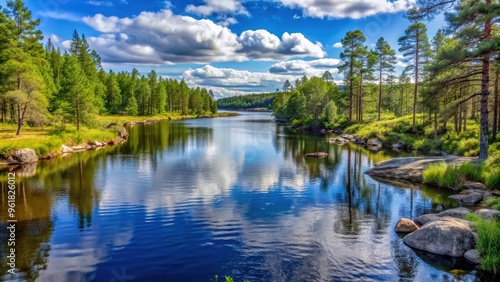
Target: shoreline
[[26, 156]]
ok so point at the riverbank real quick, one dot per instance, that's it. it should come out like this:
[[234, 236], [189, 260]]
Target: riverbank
[[38, 143]]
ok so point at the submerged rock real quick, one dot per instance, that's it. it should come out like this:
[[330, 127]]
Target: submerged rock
[[405, 225], [318, 155], [446, 236]]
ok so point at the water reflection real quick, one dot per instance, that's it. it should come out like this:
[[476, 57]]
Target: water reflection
[[183, 201]]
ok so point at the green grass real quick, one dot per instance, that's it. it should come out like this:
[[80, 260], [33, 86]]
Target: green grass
[[442, 175], [493, 202], [488, 242], [226, 279]]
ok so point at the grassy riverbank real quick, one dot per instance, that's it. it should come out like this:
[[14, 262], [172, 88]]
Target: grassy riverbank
[[48, 139]]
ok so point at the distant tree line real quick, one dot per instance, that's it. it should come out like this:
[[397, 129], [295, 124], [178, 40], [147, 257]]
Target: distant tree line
[[41, 84], [247, 101]]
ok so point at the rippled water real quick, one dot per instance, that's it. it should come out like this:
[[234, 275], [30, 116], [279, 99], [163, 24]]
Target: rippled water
[[188, 200]]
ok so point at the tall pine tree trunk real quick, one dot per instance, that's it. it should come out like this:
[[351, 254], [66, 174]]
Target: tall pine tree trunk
[[77, 114], [19, 115], [350, 89], [379, 92], [485, 77], [416, 86], [495, 108]]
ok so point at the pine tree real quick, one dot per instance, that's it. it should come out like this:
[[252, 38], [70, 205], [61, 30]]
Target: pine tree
[[80, 99], [132, 107], [472, 23], [353, 49], [386, 60], [415, 46]]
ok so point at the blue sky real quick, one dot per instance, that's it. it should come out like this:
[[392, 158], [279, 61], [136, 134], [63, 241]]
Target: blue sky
[[229, 46]]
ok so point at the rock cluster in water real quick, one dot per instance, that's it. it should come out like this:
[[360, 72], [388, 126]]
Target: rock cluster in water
[[446, 233]]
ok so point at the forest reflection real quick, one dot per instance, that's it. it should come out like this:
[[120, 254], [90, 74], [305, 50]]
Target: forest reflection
[[209, 164]]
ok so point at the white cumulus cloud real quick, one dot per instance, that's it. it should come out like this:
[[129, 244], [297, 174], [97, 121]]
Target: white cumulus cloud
[[218, 7], [338, 45], [163, 38], [354, 9]]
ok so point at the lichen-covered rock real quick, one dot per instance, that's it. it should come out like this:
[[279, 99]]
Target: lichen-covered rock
[[446, 236], [22, 156], [405, 225]]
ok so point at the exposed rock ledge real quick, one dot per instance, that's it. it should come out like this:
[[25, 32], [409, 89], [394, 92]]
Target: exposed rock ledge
[[411, 168]]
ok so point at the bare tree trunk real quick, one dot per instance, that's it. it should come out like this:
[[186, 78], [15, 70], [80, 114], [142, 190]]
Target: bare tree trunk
[[435, 126]]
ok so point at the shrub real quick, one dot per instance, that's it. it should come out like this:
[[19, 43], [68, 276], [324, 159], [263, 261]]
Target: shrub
[[488, 242], [468, 147]]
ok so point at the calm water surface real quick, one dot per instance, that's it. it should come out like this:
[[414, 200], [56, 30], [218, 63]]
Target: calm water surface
[[186, 200]]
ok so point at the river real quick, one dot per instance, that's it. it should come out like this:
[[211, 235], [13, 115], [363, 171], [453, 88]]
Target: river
[[191, 199]]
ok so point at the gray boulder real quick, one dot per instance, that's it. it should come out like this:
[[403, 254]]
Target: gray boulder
[[22, 156], [374, 144], [488, 213], [447, 236], [411, 168], [472, 199], [475, 185], [456, 212], [423, 219], [473, 256]]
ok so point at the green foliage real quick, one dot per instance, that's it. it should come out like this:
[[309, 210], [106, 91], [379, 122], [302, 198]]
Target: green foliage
[[132, 107], [468, 147], [247, 101], [488, 242]]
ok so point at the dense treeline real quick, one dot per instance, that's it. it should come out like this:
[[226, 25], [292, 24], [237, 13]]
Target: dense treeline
[[247, 101], [41, 84], [446, 81]]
